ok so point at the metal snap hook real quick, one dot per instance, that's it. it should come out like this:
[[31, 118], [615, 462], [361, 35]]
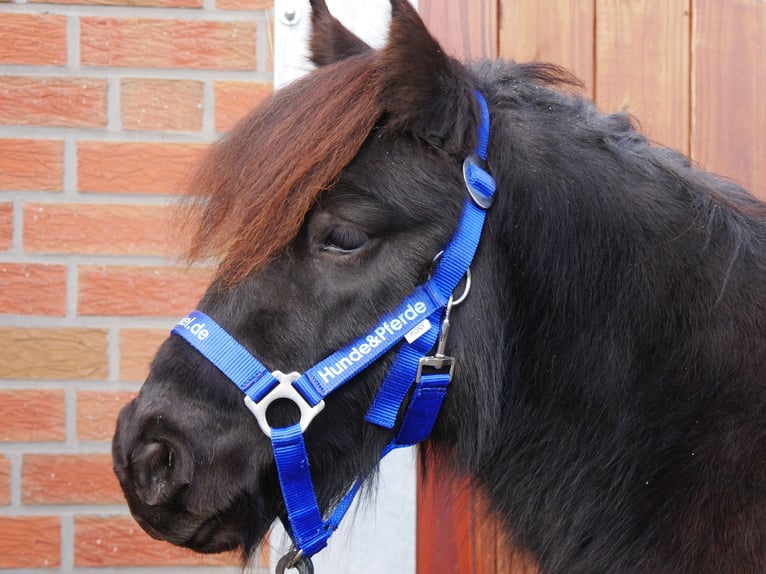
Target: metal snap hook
[[295, 559]]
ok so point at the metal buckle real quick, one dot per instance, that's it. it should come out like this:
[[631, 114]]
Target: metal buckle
[[435, 362], [283, 390], [483, 201]]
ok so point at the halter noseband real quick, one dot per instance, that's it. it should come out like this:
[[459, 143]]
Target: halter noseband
[[421, 319]]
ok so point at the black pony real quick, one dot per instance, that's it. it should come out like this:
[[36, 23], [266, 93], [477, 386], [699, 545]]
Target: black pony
[[610, 389]]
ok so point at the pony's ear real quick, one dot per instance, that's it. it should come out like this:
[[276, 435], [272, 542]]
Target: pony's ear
[[331, 41], [423, 90]]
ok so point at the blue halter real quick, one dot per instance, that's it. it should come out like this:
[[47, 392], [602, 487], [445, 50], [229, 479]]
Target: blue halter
[[420, 319]]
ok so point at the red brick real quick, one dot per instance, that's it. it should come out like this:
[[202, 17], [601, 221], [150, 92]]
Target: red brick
[[135, 3], [244, 4], [5, 481], [29, 165], [100, 229], [30, 541], [137, 349], [115, 541], [33, 39], [69, 479], [6, 226], [33, 289], [63, 102], [167, 43], [140, 291], [97, 413], [32, 416], [135, 167], [235, 99], [53, 354], [165, 105]]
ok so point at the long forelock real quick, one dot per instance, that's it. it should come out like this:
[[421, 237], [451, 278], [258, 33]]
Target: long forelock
[[251, 193]]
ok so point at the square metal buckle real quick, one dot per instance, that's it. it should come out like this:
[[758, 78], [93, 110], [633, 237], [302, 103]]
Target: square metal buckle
[[437, 363]]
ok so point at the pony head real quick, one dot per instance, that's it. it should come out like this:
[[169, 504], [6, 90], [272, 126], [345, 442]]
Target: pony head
[[325, 207], [608, 392]]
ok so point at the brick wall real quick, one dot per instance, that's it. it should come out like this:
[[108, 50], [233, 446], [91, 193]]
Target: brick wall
[[104, 107]]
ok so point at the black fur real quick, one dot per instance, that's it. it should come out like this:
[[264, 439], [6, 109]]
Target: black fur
[[610, 393]]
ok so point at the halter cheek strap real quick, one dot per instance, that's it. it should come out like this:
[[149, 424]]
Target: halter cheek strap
[[419, 320]]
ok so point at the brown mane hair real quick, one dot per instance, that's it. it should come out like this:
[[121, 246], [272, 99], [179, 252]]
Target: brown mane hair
[[252, 191]]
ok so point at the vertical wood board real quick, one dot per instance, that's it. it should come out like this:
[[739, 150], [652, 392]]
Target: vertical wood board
[[456, 532], [557, 31], [466, 29], [445, 536], [728, 130], [643, 65]]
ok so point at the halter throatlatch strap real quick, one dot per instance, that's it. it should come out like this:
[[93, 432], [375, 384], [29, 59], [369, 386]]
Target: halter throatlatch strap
[[419, 320]]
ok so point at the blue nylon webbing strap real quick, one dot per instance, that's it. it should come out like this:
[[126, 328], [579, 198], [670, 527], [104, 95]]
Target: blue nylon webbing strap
[[252, 377], [294, 477], [483, 136], [388, 401], [481, 182], [423, 409], [344, 364], [226, 353], [460, 251], [332, 523]]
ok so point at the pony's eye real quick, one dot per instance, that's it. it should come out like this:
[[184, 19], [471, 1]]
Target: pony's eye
[[344, 240]]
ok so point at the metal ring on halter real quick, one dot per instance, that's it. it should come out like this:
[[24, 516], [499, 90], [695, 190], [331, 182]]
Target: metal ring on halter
[[454, 302], [295, 559], [466, 290], [434, 262]]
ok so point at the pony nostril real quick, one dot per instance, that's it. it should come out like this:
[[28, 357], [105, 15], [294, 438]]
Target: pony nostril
[[158, 472]]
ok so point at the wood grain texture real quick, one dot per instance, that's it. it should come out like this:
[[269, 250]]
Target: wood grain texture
[[466, 29], [729, 90], [558, 31], [643, 65], [456, 532], [444, 534]]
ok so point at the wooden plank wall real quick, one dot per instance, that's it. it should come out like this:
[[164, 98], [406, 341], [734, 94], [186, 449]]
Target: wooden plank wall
[[728, 87], [692, 72]]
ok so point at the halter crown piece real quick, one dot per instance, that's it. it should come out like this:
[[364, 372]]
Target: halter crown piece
[[421, 319]]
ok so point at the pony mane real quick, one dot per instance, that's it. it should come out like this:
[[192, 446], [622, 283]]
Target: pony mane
[[250, 195]]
